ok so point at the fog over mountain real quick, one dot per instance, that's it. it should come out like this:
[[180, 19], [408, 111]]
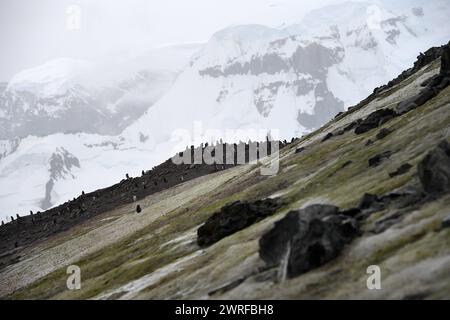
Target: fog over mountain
[[39, 31], [81, 121]]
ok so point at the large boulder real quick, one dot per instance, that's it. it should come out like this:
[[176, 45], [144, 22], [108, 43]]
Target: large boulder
[[374, 120], [307, 238], [376, 160], [234, 217], [445, 61], [434, 170]]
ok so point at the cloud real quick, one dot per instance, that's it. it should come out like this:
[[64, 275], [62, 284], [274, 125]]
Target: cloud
[[36, 31]]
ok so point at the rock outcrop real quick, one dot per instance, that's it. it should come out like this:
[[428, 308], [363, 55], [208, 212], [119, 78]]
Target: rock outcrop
[[307, 238], [376, 160], [374, 120], [434, 170], [433, 85], [404, 168], [234, 217]]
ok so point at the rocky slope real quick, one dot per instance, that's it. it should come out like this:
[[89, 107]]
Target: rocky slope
[[25, 230], [371, 187]]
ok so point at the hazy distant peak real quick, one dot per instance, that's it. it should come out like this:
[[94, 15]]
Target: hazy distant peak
[[50, 78]]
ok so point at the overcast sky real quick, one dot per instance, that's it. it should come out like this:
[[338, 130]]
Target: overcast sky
[[35, 31]]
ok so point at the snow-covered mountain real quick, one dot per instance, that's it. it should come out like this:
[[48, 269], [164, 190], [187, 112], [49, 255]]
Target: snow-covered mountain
[[70, 96], [293, 79], [43, 108], [296, 78]]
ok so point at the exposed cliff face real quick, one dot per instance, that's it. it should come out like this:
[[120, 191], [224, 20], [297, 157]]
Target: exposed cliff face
[[308, 65], [61, 163], [351, 199]]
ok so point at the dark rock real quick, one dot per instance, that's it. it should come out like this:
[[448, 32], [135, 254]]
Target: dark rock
[[328, 136], [400, 204], [445, 61], [227, 287], [369, 143], [406, 106], [445, 222], [429, 80], [404, 168], [404, 198], [400, 199], [273, 244], [307, 238], [374, 120], [383, 133], [338, 115], [387, 222], [445, 82], [434, 170], [138, 209], [350, 126], [299, 150], [353, 212], [367, 201], [436, 81], [376, 160], [426, 94], [347, 163], [234, 217]]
